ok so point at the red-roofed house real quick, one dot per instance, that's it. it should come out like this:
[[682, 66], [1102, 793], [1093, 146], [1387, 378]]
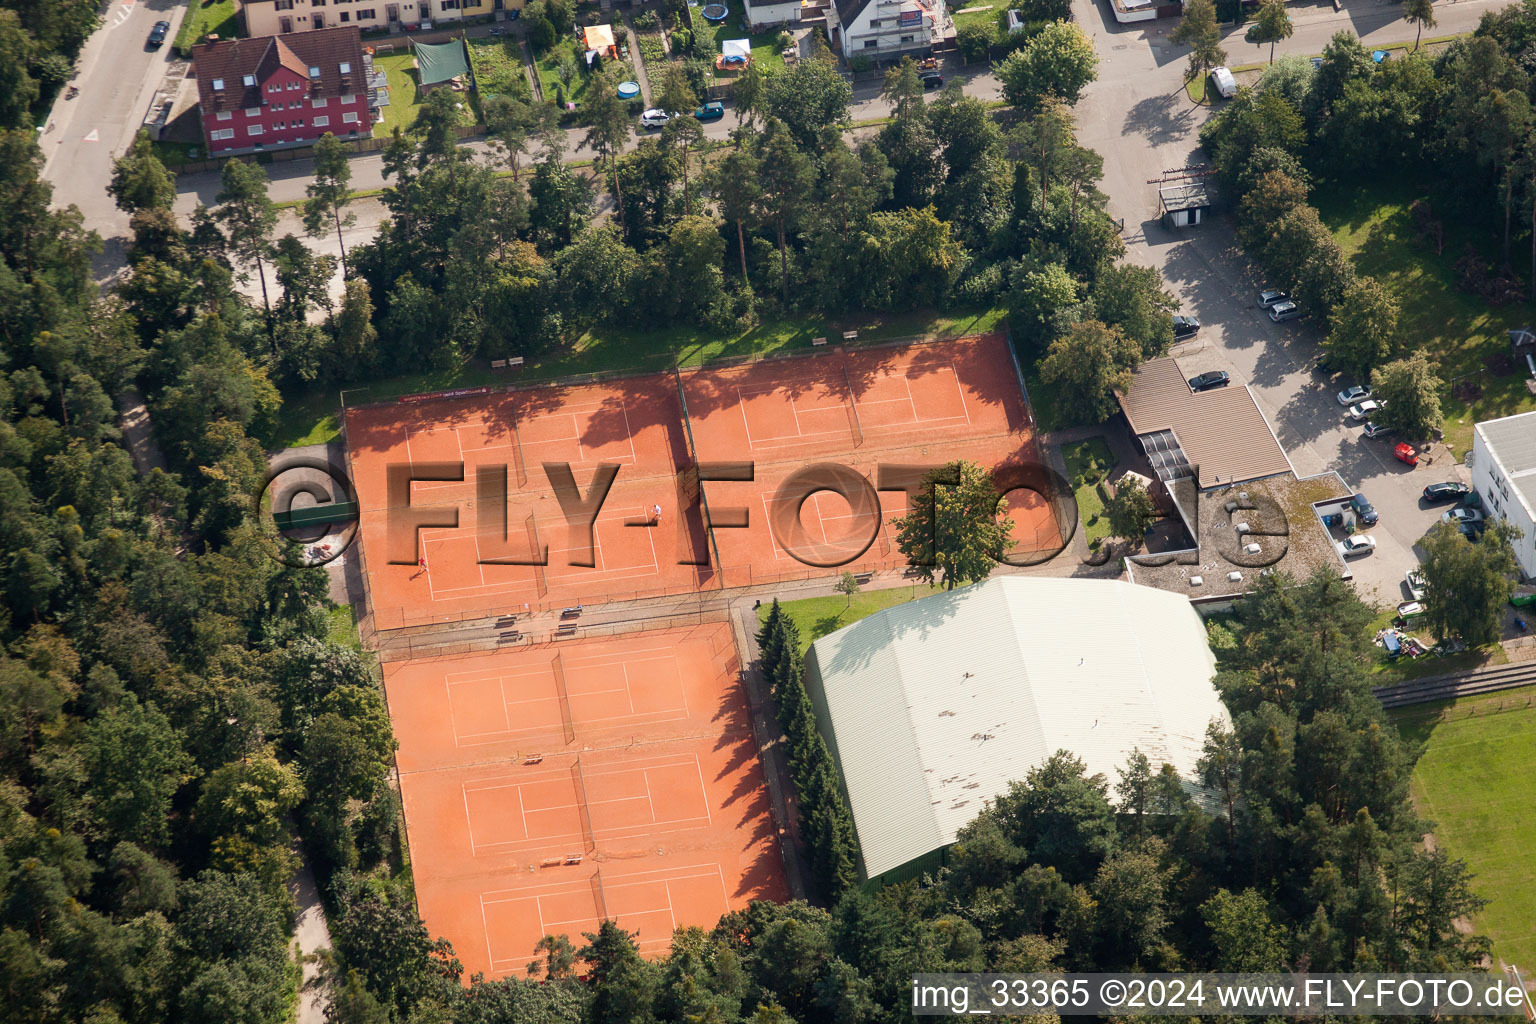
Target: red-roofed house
[[274, 92]]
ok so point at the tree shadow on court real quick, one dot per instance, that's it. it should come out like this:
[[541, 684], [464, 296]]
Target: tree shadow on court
[[763, 879]]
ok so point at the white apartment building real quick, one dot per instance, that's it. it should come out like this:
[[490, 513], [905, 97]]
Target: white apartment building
[[1503, 461]]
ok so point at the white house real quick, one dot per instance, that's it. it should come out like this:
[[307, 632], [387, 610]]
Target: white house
[[886, 29], [763, 14], [1503, 461]]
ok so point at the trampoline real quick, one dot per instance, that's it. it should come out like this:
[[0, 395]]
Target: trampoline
[[628, 90], [715, 12]]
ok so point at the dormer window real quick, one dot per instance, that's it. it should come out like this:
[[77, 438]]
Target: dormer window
[[249, 80], [218, 83], [314, 72], [345, 69]]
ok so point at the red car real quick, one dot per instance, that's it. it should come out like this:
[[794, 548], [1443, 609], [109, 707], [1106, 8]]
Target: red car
[[1405, 452]]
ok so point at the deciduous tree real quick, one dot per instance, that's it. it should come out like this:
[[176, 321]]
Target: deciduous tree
[[1419, 13], [140, 181], [1409, 393], [1467, 582], [1057, 62], [955, 533], [1086, 366], [1200, 32], [1131, 510], [1270, 25], [1362, 331]]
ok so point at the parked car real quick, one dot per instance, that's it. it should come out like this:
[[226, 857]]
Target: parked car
[[931, 80], [714, 110], [1356, 544], [1364, 410], [158, 33], [1225, 83], [1349, 396], [1448, 491], [1283, 311], [1185, 327], [1405, 452], [655, 118], [1364, 510], [1210, 379], [1377, 429], [1270, 298], [1417, 586], [1462, 515]]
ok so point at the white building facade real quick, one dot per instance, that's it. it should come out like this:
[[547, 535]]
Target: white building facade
[[280, 17], [884, 30], [1503, 461]]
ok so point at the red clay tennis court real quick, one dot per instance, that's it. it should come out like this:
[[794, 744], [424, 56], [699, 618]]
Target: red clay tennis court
[[546, 788], [634, 423], [919, 404]]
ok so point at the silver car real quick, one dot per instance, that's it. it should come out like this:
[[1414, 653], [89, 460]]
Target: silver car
[[1283, 311]]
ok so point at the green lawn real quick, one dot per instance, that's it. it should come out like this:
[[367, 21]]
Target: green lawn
[[765, 46], [498, 65], [815, 617], [989, 16], [204, 17], [1088, 463], [1474, 781], [312, 418], [405, 97], [343, 627], [1372, 223], [548, 66]]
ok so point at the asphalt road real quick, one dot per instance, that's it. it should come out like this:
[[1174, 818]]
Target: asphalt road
[[117, 77]]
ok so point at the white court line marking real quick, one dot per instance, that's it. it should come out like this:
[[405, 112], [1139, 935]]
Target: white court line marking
[[494, 588], [469, 822], [615, 832], [485, 926], [629, 691], [646, 777], [708, 817]]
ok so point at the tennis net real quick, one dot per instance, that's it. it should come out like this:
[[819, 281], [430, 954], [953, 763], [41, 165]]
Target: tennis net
[[589, 840], [565, 700], [597, 894], [693, 449], [853, 408], [540, 580], [517, 454]]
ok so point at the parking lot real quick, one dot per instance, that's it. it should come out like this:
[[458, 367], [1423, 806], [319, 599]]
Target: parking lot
[[1277, 361]]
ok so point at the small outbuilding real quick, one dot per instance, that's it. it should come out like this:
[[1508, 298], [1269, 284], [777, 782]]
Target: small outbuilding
[[441, 63], [599, 40], [1184, 203]]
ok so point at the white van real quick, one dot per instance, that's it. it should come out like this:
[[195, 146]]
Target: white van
[[1225, 84]]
